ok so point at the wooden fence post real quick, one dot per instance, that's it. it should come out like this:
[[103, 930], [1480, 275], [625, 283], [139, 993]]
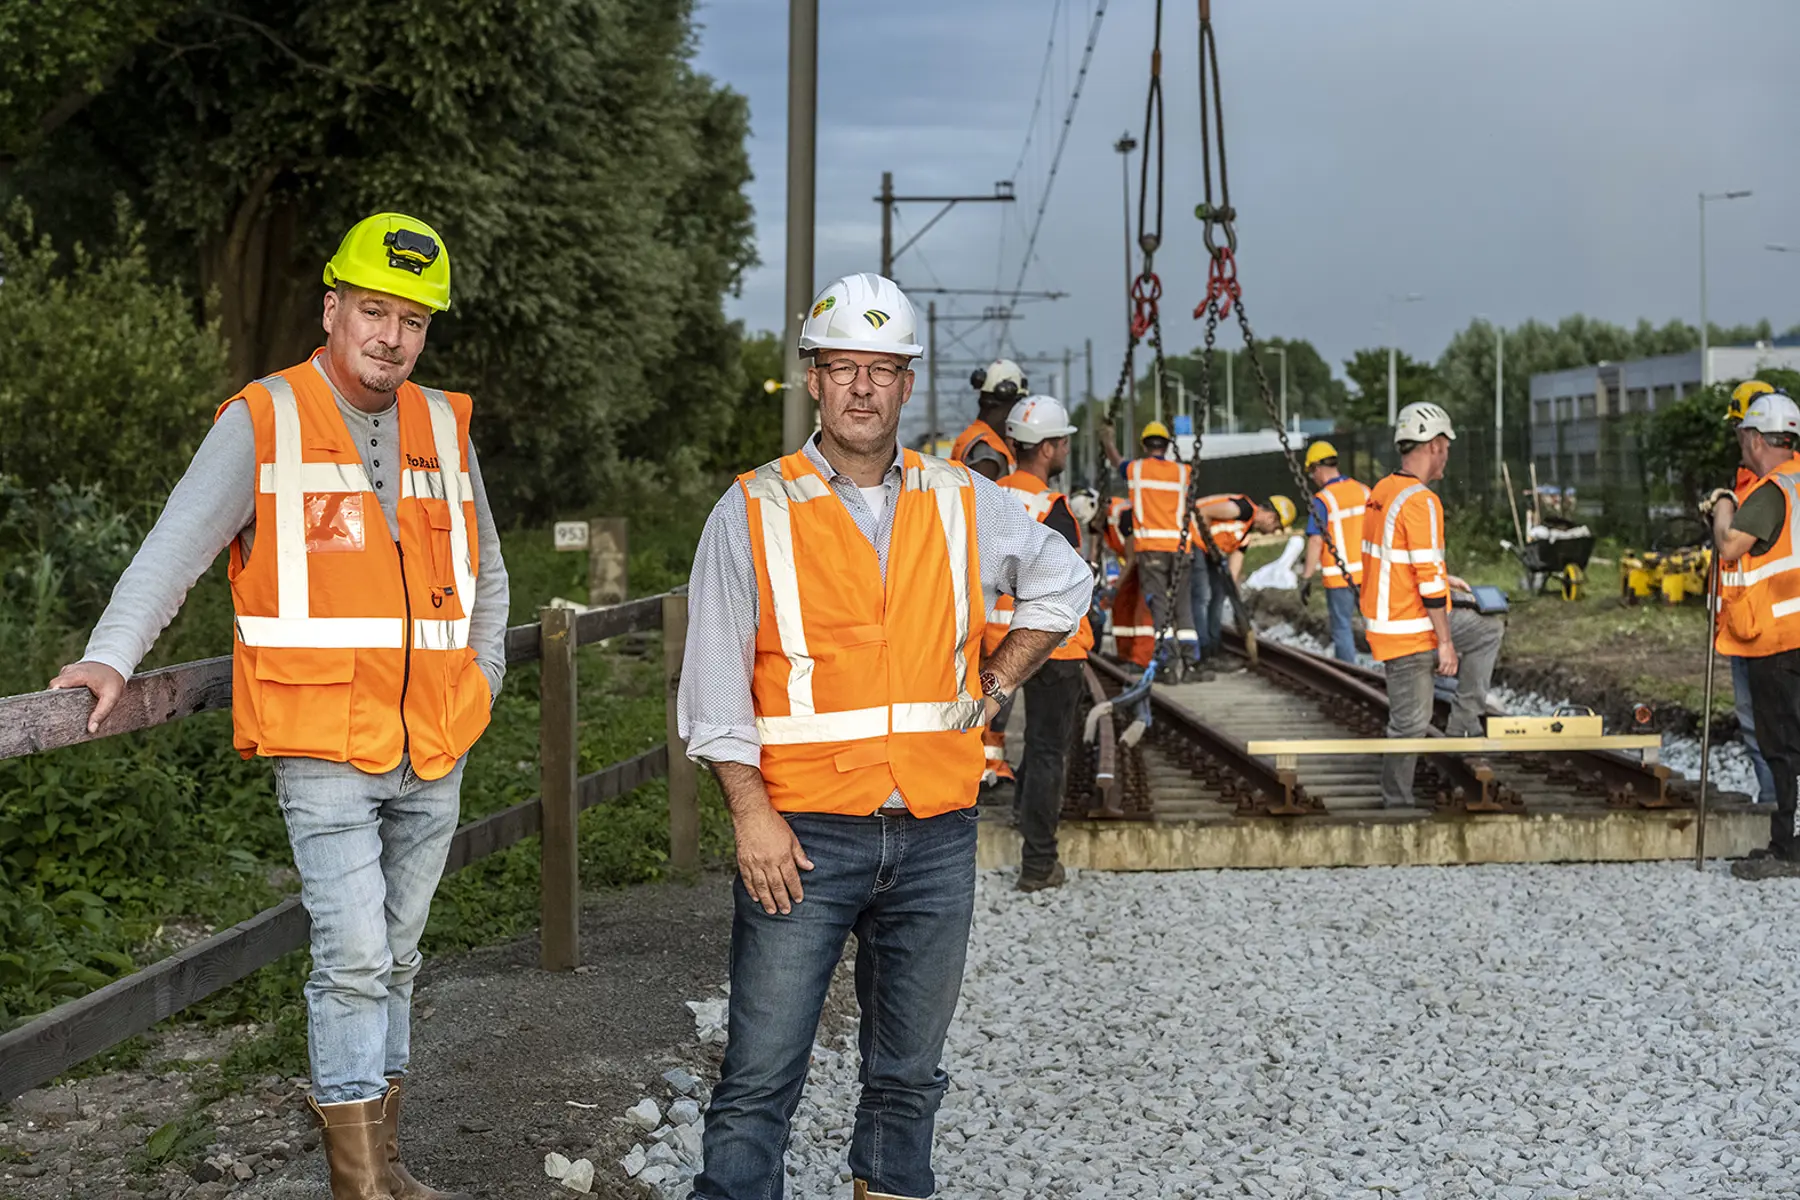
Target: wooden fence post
[[684, 783], [558, 758], [608, 579]]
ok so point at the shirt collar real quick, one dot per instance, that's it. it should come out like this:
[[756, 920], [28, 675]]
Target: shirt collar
[[817, 457]]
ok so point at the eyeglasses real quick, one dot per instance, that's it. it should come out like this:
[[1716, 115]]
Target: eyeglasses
[[843, 372]]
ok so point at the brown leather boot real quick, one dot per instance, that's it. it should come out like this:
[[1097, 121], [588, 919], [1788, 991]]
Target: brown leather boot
[[399, 1180], [863, 1193], [354, 1148]]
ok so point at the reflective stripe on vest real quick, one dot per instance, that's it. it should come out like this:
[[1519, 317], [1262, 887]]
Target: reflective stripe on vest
[[1349, 549], [1158, 490], [1762, 591], [1381, 621]]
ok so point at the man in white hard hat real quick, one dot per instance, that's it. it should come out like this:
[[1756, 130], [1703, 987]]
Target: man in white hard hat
[[998, 386], [1412, 626], [1039, 427], [834, 684], [1759, 620]]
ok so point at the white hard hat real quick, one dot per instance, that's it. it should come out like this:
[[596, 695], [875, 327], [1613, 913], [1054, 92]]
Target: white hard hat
[[861, 312], [1421, 422], [1003, 377], [1772, 412], [1084, 503], [1037, 418]]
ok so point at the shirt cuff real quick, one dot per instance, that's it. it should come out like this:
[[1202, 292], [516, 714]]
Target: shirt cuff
[[1435, 601], [117, 662], [1046, 616], [725, 743]]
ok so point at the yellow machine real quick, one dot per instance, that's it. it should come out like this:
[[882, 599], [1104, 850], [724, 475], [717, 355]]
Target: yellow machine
[[1677, 575]]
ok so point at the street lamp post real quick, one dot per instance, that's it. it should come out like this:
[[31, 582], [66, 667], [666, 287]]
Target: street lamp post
[[1499, 402], [1393, 365], [1705, 358]]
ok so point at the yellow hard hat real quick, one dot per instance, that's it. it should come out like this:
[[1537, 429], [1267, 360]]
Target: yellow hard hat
[[397, 254], [1284, 508], [1742, 395], [1317, 452], [1155, 429]]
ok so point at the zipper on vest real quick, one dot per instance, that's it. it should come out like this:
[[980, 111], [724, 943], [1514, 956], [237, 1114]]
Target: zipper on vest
[[406, 661]]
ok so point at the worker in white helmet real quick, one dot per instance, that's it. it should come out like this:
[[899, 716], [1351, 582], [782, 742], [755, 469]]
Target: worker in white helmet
[[834, 683], [1759, 615], [998, 386], [1412, 625]]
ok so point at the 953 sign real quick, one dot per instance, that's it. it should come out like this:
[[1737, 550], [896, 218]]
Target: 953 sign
[[571, 535]]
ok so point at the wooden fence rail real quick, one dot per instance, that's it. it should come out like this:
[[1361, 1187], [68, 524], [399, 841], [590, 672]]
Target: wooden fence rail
[[69, 1034]]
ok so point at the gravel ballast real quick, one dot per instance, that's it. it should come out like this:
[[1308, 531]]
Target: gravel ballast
[[1517, 1031]]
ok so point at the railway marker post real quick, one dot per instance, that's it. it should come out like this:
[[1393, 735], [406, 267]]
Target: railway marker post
[[559, 900]]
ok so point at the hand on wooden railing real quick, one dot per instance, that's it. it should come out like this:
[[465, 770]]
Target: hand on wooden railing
[[105, 682]]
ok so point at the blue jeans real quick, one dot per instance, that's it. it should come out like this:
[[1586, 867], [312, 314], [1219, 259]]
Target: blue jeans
[[1341, 604], [370, 850], [906, 888], [1209, 595], [1740, 690]]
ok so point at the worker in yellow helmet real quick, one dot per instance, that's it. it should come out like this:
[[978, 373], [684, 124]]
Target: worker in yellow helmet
[[1230, 518], [1158, 487], [1337, 512], [369, 643]]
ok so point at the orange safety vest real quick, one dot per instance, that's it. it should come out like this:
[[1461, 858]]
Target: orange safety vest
[[1760, 593], [863, 685], [1344, 501], [1158, 493], [350, 647], [1228, 536], [977, 432], [1133, 626], [1403, 553], [1038, 500], [1116, 508]]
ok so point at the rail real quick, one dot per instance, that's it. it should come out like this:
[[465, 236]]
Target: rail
[[52, 1043]]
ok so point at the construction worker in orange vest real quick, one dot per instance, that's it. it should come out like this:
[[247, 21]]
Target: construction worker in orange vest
[[1337, 512], [1039, 427], [1412, 627], [1759, 619], [369, 645], [834, 683], [1157, 487], [998, 386], [1744, 480], [1230, 519]]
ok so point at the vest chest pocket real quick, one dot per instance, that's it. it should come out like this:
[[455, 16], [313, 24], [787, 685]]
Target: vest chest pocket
[[303, 701]]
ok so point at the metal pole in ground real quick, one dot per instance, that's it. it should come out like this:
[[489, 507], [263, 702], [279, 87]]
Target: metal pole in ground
[[887, 224], [803, 99], [1712, 659], [931, 409]]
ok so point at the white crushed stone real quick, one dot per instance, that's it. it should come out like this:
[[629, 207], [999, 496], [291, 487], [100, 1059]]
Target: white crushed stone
[[1731, 770], [1528, 1032]]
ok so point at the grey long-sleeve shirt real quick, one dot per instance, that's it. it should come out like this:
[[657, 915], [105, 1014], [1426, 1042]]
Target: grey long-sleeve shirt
[[1032, 563], [215, 502]]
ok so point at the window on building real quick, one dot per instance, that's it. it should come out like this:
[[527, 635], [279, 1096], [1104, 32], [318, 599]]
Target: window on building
[[1565, 468], [1587, 467], [1584, 406], [1665, 395], [1546, 466], [1637, 400], [1540, 411]]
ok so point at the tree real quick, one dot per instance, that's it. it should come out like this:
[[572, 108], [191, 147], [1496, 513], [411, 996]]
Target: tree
[[1367, 370], [587, 183]]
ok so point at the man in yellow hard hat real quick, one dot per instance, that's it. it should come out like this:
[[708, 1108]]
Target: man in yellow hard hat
[[1742, 484], [1158, 489], [1337, 512], [369, 643], [1230, 519]]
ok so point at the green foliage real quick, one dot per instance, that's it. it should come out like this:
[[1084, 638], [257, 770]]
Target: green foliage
[[105, 379], [587, 181], [751, 433], [1368, 372]]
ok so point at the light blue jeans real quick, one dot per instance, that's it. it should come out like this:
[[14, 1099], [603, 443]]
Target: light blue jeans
[[1746, 719], [370, 850], [1341, 604]]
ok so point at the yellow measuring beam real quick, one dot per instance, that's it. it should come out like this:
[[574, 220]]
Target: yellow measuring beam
[[1649, 743]]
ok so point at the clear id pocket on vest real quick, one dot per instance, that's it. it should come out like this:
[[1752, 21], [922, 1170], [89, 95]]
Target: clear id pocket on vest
[[334, 522]]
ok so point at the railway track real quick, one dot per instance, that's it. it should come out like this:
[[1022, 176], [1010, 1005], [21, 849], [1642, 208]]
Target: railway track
[[1194, 762]]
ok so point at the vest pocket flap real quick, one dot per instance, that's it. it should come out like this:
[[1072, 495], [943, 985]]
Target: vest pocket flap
[[306, 665], [866, 754], [862, 635], [437, 513]]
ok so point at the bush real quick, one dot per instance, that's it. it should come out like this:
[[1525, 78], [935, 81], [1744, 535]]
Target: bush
[[105, 377]]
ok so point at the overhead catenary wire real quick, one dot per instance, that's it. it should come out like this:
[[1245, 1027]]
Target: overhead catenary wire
[[1062, 141]]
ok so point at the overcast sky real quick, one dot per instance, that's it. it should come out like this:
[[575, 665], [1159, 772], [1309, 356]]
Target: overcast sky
[[1527, 159]]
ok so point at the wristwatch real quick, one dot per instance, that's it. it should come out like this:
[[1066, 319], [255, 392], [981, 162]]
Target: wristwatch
[[990, 687]]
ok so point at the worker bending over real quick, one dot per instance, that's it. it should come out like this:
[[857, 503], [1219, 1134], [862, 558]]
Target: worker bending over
[[1039, 428], [998, 386], [1230, 519], [834, 683], [1158, 491], [1745, 479], [1336, 514], [1759, 620], [363, 666], [1406, 593]]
